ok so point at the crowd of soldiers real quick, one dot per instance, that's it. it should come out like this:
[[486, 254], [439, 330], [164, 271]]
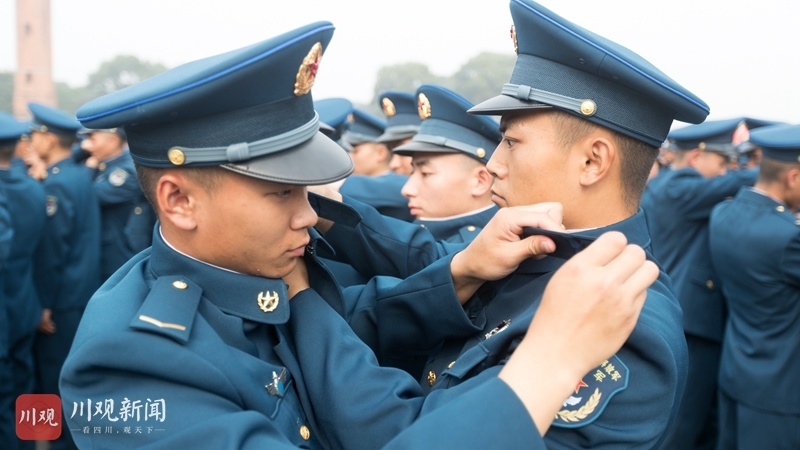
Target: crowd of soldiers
[[413, 247]]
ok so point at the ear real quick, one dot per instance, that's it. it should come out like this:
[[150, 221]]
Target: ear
[[792, 179], [176, 196], [599, 152], [482, 181]]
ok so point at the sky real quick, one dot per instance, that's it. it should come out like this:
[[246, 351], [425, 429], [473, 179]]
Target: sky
[[741, 57]]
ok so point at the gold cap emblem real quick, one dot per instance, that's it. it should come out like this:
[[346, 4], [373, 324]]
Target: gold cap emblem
[[308, 70], [480, 152], [388, 107], [423, 106], [514, 39], [176, 156], [588, 108], [268, 301]]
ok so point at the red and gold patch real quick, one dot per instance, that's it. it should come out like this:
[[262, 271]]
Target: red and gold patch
[[308, 70], [423, 106]]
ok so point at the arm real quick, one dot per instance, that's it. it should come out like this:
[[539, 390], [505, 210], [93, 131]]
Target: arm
[[124, 189], [699, 195]]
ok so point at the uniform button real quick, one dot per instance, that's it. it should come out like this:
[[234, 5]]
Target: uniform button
[[56, 170], [780, 208], [797, 222], [450, 366], [431, 377], [305, 433], [470, 228], [178, 284], [137, 210], [710, 284], [101, 167]]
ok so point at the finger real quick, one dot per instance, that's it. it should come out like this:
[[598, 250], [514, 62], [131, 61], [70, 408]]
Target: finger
[[539, 245], [625, 264], [602, 251], [644, 277]]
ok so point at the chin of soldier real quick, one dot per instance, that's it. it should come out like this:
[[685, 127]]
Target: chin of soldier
[[499, 201]]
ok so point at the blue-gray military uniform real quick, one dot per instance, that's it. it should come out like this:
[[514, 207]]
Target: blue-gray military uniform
[[402, 118], [382, 191], [215, 359], [6, 391], [126, 216], [629, 401], [678, 205], [20, 302], [755, 249], [67, 265]]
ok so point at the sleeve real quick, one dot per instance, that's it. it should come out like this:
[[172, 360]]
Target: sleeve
[[700, 195], [6, 230], [119, 186], [408, 317], [381, 245], [52, 252], [391, 410], [141, 390]]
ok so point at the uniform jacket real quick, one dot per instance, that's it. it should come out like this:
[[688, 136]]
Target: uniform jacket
[[68, 259], [194, 345], [627, 403], [755, 248], [678, 205], [27, 204], [381, 192]]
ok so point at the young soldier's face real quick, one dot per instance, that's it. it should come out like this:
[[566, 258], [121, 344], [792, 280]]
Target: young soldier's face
[[253, 226], [441, 185], [529, 166]]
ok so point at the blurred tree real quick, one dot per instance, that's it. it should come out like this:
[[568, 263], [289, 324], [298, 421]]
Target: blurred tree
[[70, 98], [120, 72], [483, 76], [6, 91], [480, 78]]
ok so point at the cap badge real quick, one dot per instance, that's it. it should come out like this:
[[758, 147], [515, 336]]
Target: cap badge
[[423, 106], [588, 108], [388, 107], [308, 70], [268, 301], [514, 39]]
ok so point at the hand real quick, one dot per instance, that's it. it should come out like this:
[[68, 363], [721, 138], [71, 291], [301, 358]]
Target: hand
[[92, 162], [497, 250], [37, 169], [46, 324], [297, 279], [588, 310]]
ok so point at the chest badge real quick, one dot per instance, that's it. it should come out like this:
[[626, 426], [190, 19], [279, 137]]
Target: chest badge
[[278, 384]]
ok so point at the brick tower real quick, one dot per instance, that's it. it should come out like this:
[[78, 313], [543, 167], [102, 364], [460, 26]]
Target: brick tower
[[33, 80]]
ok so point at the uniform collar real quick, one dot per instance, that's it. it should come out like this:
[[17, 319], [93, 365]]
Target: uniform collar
[[759, 197], [263, 300], [447, 227]]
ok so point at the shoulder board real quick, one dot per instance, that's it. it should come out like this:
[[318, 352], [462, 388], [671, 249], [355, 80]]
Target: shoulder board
[[170, 308], [592, 394]]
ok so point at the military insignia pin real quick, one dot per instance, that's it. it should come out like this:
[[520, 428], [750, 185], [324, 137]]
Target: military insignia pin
[[51, 205], [268, 301], [308, 70], [514, 39], [423, 106], [117, 177], [278, 384], [388, 107], [592, 394]]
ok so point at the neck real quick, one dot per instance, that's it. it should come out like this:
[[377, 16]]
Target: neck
[[56, 154], [772, 190], [597, 209]]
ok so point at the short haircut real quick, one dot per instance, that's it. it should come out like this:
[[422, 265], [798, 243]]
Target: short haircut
[[65, 141], [207, 177], [771, 171], [636, 157]]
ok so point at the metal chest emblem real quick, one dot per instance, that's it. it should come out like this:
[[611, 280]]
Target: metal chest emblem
[[388, 107], [268, 301], [308, 70], [278, 384], [498, 329], [514, 39], [51, 205], [117, 177], [423, 106]]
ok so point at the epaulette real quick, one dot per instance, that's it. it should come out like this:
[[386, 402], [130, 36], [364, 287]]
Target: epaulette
[[170, 308]]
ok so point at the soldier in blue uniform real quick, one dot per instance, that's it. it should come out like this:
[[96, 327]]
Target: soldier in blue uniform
[[402, 123], [126, 217], [26, 203], [578, 143], [194, 343], [449, 192], [68, 259], [678, 204], [7, 439], [372, 181], [755, 248]]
